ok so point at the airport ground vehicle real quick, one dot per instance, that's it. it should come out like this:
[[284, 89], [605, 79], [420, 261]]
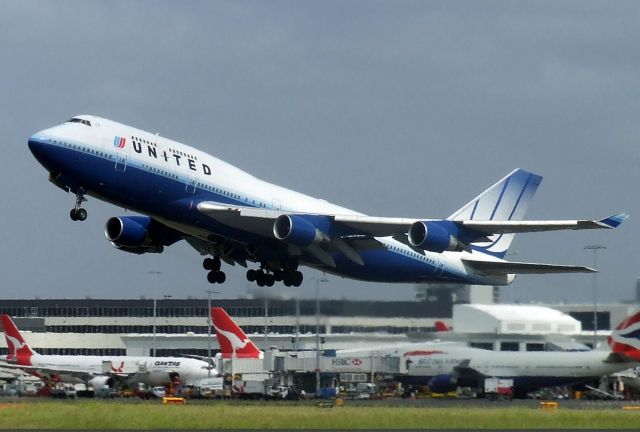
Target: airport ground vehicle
[[64, 391], [498, 388]]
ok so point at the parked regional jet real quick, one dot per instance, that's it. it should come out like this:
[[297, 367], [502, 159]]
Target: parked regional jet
[[227, 213], [101, 371], [445, 366]]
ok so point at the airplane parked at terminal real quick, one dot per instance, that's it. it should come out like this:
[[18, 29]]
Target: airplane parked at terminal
[[100, 371], [445, 366], [234, 217]]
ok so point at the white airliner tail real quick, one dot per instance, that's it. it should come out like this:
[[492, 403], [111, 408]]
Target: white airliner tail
[[19, 350], [507, 200], [232, 340]]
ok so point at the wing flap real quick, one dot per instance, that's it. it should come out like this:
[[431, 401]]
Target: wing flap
[[508, 267]]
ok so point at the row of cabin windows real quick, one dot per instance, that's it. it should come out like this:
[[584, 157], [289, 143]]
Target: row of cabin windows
[[87, 150], [159, 171], [230, 195], [412, 254], [153, 144]]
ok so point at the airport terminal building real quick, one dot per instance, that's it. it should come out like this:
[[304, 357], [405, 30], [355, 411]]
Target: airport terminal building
[[126, 327]]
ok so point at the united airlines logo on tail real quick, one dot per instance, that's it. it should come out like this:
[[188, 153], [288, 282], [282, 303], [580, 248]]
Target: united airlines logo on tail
[[119, 142]]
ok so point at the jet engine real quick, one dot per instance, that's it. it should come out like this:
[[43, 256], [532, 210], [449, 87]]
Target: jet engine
[[297, 230], [432, 236], [443, 383], [99, 382], [138, 234]]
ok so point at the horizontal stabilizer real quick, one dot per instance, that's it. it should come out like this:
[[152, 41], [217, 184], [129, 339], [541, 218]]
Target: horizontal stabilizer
[[507, 267]]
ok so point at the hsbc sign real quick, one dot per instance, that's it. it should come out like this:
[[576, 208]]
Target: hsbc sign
[[346, 363]]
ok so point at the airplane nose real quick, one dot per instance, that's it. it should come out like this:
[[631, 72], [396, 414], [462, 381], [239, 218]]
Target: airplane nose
[[38, 145]]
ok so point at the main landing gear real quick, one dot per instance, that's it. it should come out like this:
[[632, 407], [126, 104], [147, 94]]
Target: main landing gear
[[263, 277], [78, 213], [214, 275]]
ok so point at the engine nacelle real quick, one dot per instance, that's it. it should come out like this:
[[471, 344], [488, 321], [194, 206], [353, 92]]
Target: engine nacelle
[[443, 383], [133, 234], [432, 236], [297, 230], [99, 382]]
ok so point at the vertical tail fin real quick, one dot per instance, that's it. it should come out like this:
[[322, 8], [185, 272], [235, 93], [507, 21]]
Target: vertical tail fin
[[506, 200], [232, 340], [625, 339], [441, 326], [19, 350]]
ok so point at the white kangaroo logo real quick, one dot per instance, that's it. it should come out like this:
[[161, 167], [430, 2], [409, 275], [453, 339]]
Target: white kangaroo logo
[[236, 342], [15, 343]]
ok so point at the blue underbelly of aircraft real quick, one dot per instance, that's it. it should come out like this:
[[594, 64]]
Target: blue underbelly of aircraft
[[151, 191]]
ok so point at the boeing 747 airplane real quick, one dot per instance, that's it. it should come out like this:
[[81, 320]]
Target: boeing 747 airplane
[[229, 215]]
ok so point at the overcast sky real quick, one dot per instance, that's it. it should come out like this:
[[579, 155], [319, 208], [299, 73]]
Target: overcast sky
[[392, 108]]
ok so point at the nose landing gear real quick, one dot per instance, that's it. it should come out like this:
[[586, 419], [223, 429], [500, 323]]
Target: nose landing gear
[[78, 213]]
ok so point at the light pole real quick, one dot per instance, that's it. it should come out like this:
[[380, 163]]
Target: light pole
[[595, 248], [209, 292], [155, 290], [296, 345], [266, 325], [318, 280]]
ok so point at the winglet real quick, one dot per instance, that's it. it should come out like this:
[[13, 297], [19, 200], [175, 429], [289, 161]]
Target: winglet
[[615, 220]]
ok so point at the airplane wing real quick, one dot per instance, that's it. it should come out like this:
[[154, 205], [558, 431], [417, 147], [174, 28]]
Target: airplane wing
[[260, 221], [50, 371], [85, 376], [349, 233], [507, 267]]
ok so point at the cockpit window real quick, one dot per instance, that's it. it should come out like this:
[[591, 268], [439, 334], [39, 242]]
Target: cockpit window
[[78, 120]]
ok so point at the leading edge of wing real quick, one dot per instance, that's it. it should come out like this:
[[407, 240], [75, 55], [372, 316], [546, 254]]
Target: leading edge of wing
[[509, 267]]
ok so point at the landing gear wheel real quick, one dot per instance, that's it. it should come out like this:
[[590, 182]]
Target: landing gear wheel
[[211, 277], [297, 278], [216, 276], [220, 277], [212, 263], [81, 214], [251, 275], [73, 215], [269, 280]]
